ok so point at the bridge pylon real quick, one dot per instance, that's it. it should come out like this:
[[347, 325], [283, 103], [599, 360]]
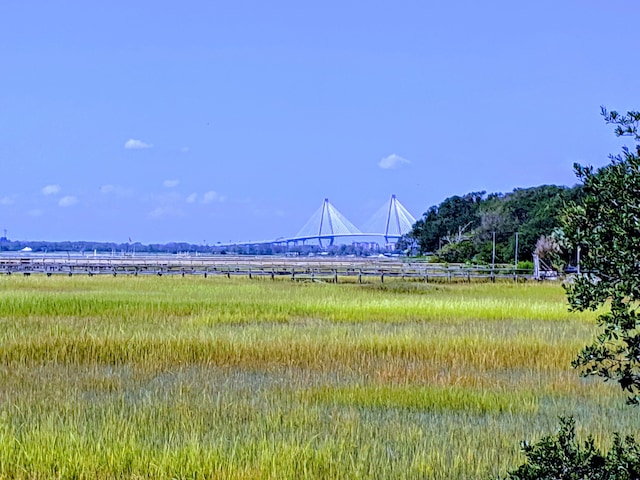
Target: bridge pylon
[[391, 221], [399, 220], [327, 223]]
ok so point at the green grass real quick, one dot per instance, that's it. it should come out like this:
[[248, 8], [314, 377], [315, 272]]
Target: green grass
[[169, 377], [429, 399]]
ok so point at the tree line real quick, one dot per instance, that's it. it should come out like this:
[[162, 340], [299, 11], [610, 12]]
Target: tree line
[[466, 228], [137, 248]]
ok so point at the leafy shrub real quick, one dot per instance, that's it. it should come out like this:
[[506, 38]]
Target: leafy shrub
[[561, 456], [456, 252], [526, 265]]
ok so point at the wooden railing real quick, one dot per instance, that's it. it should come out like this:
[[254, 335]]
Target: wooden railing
[[319, 268]]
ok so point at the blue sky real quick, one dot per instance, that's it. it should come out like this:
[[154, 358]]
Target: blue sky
[[214, 121]]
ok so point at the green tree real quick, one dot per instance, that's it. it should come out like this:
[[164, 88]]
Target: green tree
[[454, 218], [606, 227], [532, 212], [562, 456]]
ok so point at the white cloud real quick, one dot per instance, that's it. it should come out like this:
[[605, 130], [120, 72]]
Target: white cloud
[[50, 189], [184, 149], [212, 196], [392, 161], [68, 201], [160, 212], [7, 200], [35, 212], [192, 198], [116, 190], [170, 183], [133, 144]]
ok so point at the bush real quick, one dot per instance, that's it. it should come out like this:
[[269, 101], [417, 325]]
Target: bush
[[456, 252], [526, 266], [561, 456]]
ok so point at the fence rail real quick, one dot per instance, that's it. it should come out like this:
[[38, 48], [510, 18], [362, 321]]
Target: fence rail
[[318, 269]]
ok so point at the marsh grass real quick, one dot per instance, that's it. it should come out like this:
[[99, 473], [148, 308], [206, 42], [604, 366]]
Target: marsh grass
[[229, 378]]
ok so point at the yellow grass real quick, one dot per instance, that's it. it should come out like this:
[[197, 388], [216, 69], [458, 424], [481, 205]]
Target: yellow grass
[[107, 377]]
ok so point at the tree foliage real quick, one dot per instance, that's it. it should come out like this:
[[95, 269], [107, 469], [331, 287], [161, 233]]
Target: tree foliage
[[447, 222], [606, 226], [473, 218], [562, 456]]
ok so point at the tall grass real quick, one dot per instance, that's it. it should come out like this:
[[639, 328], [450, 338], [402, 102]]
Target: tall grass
[[229, 378]]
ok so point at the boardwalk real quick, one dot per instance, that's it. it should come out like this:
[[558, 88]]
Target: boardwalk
[[308, 268]]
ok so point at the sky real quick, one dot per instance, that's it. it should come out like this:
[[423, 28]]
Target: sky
[[217, 121]]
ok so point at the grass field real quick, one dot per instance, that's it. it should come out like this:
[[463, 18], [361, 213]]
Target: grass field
[[177, 377]]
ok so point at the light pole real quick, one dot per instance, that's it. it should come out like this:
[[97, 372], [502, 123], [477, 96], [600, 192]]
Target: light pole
[[493, 251]]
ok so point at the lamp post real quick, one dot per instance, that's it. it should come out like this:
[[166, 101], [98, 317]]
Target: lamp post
[[493, 252]]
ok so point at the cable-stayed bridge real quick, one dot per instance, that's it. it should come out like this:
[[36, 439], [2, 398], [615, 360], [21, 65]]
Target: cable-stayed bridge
[[327, 224]]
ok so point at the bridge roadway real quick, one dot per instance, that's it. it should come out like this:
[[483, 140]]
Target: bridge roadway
[[332, 236], [296, 268], [329, 236]]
